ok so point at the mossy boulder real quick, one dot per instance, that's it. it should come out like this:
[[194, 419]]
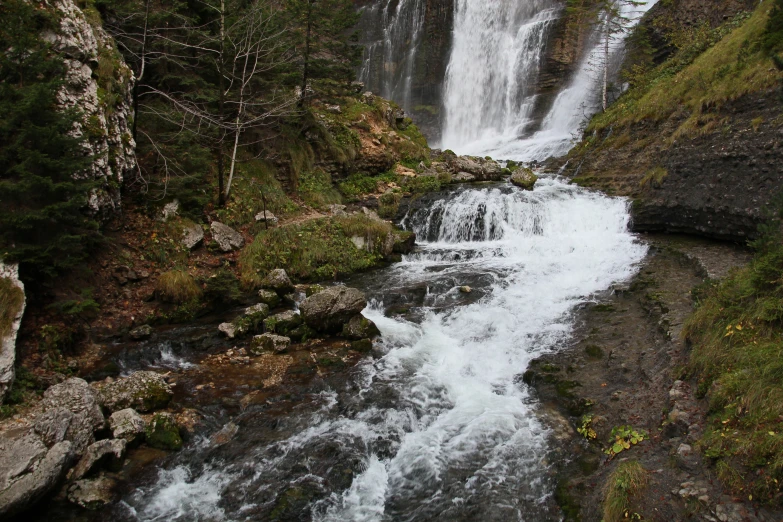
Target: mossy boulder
[[269, 298], [143, 391], [278, 281], [359, 327], [328, 311], [163, 432], [269, 343], [362, 345], [524, 178], [283, 323], [404, 242]]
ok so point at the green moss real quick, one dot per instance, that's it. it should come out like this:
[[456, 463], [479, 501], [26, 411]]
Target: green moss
[[163, 433], [11, 301], [594, 351], [316, 189], [361, 183]]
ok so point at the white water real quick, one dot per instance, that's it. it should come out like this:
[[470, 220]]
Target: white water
[[491, 64], [441, 422]]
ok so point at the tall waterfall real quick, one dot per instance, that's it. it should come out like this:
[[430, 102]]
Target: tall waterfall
[[495, 59]]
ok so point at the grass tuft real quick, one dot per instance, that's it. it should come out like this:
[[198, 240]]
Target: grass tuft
[[177, 286], [627, 480]]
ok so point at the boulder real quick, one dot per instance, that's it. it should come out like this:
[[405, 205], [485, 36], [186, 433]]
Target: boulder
[[329, 310], [226, 237], [28, 470], [163, 432], [269, 298], [141, 332], [269, 343], [107, 451], [524, 178], [77, 397], [127, 424], [362, 345], [228, 329], [170, 211], [266, 217], [359, 327], [12, 291], [278, 281], [94, 493], [143, 391], [192, 235], [404, 242], [283, 322], [463, 177]]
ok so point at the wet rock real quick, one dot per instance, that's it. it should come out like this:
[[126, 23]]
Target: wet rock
[[92, 494], [141, 332], [269, 298], [359, 327], [127, 424], [362, 345], [524, 178], [192, 235], [266, 217], [108, 451], [269, 343], [329, 310], [404, 242], [76, 396], [52, 426], [225, 435], [283, 323], [163, 432], [10, 272], [226, 237], [313, 289], [28, 471], [278, 281], [143, 391]]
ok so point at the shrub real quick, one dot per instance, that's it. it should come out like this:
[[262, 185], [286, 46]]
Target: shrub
[[177, 286]]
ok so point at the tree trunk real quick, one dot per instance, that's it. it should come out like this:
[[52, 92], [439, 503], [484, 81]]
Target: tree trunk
[[221, 101], [142, 66], [305, 70]]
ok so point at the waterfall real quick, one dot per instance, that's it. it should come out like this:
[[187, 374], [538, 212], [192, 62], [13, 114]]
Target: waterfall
[[491, 74]]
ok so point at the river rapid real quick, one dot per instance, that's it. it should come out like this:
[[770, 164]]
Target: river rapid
[[436, 424]]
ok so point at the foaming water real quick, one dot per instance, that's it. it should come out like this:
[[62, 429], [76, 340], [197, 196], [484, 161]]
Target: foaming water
[[439, 426]]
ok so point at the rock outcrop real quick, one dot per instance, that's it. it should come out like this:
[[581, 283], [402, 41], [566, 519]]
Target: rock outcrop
[[328, 311], [94, 66], [70, 411], [143, 391], [226, 237], [13, 302]]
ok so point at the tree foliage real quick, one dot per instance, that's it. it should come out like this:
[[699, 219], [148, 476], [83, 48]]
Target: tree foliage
[[43, 188]]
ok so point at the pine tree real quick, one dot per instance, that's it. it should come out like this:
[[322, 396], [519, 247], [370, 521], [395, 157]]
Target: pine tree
[[43, 186]]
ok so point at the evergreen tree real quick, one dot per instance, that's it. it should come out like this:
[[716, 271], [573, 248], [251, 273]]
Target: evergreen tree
[[43, 224]]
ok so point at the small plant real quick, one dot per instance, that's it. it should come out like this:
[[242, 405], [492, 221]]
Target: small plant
[[585, 429], [654, 177], [623, 438], [626, 481], [177, 286]]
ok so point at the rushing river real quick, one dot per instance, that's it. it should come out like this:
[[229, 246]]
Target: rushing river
[[437, 425]]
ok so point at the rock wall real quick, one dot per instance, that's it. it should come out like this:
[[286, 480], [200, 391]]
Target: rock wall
[[98, 83], [8, 342]]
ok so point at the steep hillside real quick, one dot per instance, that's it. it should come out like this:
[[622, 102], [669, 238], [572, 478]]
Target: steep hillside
[[695, 140]]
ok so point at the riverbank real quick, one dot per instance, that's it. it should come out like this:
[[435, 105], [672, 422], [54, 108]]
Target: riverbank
[[623, 369]]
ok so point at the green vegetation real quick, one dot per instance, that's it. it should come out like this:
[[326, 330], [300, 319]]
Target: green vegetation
[[11, 301], [42, 223], [623, 437], [316, 189], [163, 433], [710, 68], [737, 338], [654, 177], [585, 428], [627, 480], [316, 249], [24, 388], [177, 286]]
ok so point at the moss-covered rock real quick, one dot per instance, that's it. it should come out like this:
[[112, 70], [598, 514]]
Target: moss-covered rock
[[359, 327], [283, 323], [524, 178], [142, 391], [163, 433], [362, 345], [269, 298]]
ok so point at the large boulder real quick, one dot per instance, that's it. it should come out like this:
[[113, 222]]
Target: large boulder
[[110, 451], [144, 391], [283, 323], [226, 237], [192, 235], [524, 178], [94, 493], [329, 310], [269, 298], [28, 470], [278, 281], [127, 424], [359, 327], [55, 425]]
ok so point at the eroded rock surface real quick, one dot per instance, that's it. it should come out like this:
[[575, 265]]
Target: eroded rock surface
[[329, 310], [143, 391]]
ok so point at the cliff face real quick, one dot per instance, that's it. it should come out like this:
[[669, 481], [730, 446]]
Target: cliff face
[[99, 84], [697, 142]]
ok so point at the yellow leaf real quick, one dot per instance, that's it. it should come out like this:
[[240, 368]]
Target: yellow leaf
[[772, 433], [739, 327], [750, 497], [728, 327]]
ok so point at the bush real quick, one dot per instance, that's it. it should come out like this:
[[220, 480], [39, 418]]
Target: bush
[[177, 286]]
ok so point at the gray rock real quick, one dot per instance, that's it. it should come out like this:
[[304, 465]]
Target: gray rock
[[266, 217], [278, 281], [141, 332], [283, 322], [524, 178], [463, 177], [28, 471], [110, 451], [143, 391], [8, 341], [329, 310], [359, 327], [127, 424], [94, 493], [170, 210], [269, 298], [257, 310], [228, 329], [334, 109], [337, 210], [368, 97], [52, 426], [357, 86], [192, 235], [226, 237], [269, 343], [76, 396]]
